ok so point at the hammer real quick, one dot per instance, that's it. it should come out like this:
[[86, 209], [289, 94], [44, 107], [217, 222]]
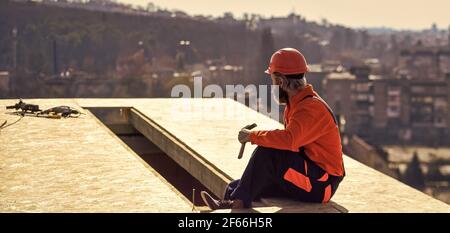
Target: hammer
[[241, 152]]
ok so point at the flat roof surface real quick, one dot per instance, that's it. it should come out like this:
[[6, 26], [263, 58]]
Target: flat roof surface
[[70, 164], [75, 165]]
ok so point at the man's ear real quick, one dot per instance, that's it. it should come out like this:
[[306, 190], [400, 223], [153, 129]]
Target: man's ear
[[278, 81], [282, 82], [278, 78]]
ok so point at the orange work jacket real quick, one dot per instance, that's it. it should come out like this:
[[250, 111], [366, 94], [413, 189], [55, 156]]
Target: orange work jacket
[[308, 124]]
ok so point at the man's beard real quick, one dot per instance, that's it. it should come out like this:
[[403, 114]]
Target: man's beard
[[280, 95]]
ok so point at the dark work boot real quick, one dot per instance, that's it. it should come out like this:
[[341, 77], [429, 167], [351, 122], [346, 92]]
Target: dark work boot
[[215, 204]]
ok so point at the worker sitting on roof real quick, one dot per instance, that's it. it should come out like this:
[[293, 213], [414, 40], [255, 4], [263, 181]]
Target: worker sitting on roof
[[304, 160]]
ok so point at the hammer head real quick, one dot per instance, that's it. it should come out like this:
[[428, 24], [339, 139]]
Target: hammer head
[[250, 126]]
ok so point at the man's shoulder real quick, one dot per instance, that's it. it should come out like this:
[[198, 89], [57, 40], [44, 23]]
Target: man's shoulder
[[311, 103], [310, 106]]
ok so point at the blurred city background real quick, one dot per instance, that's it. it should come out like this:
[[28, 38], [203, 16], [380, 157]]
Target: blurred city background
[[389, 84]]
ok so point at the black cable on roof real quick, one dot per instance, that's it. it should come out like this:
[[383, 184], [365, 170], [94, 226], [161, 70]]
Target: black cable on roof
[[3, 126]]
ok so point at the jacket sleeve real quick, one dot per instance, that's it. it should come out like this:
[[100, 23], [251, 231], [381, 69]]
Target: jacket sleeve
[[306, 125]]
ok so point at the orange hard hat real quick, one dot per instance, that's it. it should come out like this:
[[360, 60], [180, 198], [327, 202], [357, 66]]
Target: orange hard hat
[[287, 61]]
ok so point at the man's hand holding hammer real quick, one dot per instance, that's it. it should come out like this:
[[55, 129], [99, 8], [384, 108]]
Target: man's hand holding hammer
[[244, 137]]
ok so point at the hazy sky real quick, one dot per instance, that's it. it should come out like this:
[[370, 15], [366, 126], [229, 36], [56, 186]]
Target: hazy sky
[[399, 14]]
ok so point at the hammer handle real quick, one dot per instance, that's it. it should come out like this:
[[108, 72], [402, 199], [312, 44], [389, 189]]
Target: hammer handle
[[241, 152]]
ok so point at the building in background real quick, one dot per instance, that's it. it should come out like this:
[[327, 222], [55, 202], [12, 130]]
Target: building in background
[[410, 106], [420, 62], [337, 94], [4, 84]]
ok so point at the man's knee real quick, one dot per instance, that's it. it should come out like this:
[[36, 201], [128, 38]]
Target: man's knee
[[264, 153], [266, 150]]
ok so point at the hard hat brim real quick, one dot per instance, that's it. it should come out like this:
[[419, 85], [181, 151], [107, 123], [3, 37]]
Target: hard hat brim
[[287, 73]]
